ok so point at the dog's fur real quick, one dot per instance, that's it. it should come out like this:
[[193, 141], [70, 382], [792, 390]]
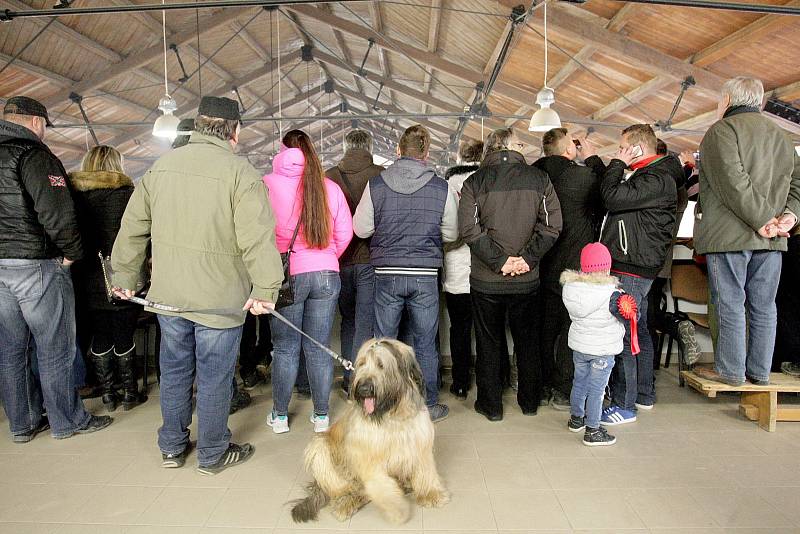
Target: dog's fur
[[376, 456]]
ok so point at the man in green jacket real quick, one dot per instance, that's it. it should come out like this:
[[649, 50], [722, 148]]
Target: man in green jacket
[[206, 215], [749, 198]]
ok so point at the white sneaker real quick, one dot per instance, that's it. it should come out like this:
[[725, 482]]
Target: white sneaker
[[321, 422], [646, 407], [279, 423]]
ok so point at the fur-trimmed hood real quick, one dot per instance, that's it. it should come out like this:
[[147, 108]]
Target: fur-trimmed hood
[[91, 180], [597, 277], [461, 169]]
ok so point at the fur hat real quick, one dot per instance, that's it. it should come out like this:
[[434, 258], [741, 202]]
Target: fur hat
[[595, 257]]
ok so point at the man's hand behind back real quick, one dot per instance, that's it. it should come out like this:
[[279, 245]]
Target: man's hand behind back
[[259, 307]]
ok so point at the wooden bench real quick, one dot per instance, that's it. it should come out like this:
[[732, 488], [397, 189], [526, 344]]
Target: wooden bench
[[758, 403]]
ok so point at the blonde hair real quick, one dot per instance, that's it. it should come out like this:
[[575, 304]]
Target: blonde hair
[[415, 142], [103, 158]]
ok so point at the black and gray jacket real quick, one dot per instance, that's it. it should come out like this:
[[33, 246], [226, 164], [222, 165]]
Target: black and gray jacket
[[641, 216], [507, 208], [37, 216]]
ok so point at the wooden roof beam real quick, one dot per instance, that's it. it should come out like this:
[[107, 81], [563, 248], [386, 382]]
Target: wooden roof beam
[[140, 58], [383, 61], [434, 25]]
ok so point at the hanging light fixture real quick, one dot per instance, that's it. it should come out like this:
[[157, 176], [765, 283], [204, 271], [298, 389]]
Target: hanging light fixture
[[545, 119], [167, 124]]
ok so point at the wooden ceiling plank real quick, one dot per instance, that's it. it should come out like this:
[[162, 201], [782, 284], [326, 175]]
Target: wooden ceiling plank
[[434, 27]]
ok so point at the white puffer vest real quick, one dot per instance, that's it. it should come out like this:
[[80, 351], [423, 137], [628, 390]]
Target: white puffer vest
[[594, 330]]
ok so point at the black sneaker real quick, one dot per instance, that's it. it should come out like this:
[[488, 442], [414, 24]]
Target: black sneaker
[[252, 380], [757, 382], [97, 422], [576, 424], [171, 461], [235, 455], [547, 393], [559, 401], [44, 424], [598, 437], [241, 399]]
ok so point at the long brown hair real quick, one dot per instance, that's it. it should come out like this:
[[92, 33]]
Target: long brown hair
[[315, 216], [103, 158]]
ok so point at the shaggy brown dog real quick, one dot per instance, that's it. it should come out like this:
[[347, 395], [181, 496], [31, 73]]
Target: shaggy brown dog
[[381, 447]]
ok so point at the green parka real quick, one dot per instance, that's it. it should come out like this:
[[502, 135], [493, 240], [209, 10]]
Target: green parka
[[749, 173], [206, 213]]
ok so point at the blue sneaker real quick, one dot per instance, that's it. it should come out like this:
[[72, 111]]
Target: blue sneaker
[[614, 415]]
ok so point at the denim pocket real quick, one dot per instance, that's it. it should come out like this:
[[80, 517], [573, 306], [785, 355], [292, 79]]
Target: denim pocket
[[330, 283]]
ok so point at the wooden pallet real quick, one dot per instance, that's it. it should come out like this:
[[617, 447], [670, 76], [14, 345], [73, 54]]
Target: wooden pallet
[[758, 403]]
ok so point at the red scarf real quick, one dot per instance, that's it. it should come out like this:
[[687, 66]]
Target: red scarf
[[645, 162]]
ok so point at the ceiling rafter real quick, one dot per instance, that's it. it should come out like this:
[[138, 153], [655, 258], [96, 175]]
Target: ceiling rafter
[[383, 61], [139, 58]]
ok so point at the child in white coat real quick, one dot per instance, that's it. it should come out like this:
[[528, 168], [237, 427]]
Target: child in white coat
[[596, 306]]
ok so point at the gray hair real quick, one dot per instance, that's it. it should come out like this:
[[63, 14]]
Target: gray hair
[[358, 139], [744, 91], [497, 140], [220, 128]]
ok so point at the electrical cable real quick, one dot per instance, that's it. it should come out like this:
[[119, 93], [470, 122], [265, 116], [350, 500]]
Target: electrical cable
[[600, 78]]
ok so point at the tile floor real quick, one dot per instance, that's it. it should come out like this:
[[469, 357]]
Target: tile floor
[[691, 465]]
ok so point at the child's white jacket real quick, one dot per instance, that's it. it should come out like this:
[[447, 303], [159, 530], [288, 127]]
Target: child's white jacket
[[587, 297]]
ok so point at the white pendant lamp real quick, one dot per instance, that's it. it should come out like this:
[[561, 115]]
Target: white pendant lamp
[[545, 119], [167, 124]]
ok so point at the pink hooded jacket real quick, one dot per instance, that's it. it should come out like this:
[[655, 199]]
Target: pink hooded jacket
[[285, 195]]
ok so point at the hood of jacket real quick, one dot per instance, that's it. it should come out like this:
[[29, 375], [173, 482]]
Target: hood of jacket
[[91, 180], [407, 175], [9, 130], [355, 160], [554, 166], [289, 162], [501, 157], [586, 293]]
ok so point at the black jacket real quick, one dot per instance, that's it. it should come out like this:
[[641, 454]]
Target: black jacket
[[578, 191], [507, 208], [641, 216], [37, 217], [100, 201]]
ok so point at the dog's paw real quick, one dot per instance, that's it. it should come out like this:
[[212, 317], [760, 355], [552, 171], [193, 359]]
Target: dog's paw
[[397, 515], [433, 499], [341, 514]]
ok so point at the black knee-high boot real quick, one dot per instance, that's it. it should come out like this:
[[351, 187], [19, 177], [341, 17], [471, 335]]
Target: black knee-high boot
[[127, 375], [104, 369]]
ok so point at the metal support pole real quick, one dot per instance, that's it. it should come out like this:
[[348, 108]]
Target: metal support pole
[[78, 99]]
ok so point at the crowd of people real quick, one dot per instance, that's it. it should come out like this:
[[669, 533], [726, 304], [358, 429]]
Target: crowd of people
[[567, 253]]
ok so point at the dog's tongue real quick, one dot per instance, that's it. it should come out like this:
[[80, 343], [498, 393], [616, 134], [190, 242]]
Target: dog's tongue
[[369, 405]]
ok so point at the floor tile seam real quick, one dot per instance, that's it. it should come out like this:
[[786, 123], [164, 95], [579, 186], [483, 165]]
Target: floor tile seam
[[163, 489], [776, 511], [694, 500]]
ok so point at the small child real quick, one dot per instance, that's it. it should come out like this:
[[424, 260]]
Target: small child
[[593, 299]]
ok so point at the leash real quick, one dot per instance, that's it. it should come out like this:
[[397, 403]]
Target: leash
[[347, 364]]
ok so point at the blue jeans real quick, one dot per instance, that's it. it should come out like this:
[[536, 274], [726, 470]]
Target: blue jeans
[[190, 350], [589, 385], [743, 288], [357, 306], [419, 295], [314, 307], [633, 375], [37, 299]]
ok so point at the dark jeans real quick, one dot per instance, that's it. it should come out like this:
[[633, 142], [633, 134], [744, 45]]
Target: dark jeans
[[419, 296], [192, 351], [459, 309], [557, 365], [114, 329], [37, 301], [256, 345], [315, 296], [656, 314], [357, 306], [490, 335], [743, 288], [787, 339], [633, 375]]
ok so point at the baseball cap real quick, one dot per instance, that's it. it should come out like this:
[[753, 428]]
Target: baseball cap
[[23, 105]]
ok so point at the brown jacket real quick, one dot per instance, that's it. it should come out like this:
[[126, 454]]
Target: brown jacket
[[352, 175]]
